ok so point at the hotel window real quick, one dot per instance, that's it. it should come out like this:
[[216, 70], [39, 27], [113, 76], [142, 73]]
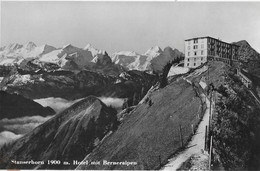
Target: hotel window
[[188, 59], [195, 40], [195, 53], [195, 47], [202, 46], [194, 64], [188, 47], [188, 64], [202, 58], [188, 53], [202, 52]]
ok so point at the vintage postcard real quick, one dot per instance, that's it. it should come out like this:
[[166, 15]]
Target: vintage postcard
[[129, 85]]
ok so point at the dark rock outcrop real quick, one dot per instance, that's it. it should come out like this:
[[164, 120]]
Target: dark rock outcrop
[[13, 106], [249, 57]]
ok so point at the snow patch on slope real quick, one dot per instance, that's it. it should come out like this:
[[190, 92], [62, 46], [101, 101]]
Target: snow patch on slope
[[176, 70], [203, 84], [22, 79]]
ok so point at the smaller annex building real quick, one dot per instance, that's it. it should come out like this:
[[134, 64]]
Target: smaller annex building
[[201, 49], [245, 78]]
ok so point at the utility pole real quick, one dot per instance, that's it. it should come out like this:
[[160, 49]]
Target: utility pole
[[206, 135], [210, 98], [208, 76]]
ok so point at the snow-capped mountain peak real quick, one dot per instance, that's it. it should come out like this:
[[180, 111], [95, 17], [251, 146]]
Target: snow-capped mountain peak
[[13, 46], [153, 51], [95, 52], [68, 47], [47, 48], [88, 46], [30, 46]]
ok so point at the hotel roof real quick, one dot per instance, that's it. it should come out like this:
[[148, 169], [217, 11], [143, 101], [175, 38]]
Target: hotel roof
[[211, 38]]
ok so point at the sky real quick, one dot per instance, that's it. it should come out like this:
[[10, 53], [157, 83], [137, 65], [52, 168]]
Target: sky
[[127, 26]]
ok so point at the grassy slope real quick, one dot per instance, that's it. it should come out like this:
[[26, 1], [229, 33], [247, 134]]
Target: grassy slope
[[151, 131], [236, 135]]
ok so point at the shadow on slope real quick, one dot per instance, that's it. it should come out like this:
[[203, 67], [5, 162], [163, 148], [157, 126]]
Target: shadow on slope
[[13, 106], [150, 133]]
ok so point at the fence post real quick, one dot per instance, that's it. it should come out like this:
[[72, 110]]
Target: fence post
[[210, 103], [206, 134], [180, 129], [210, 153]]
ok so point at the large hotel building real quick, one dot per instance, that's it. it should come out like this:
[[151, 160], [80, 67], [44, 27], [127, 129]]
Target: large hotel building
[[199, 50]]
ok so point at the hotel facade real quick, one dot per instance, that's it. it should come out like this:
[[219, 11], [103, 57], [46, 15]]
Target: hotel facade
[[201, 49]]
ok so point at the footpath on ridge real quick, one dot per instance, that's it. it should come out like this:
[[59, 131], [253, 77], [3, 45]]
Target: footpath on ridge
[[194, 151]]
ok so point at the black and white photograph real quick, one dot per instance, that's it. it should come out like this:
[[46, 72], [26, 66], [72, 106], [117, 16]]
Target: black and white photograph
[[129, 85]]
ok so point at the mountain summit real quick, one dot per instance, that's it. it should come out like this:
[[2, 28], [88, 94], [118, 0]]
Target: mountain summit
[[153, 52], [135, 61], [69, 135], [30, 46], [249, 57]]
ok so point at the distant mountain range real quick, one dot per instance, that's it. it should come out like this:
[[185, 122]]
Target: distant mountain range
[[73, 58]]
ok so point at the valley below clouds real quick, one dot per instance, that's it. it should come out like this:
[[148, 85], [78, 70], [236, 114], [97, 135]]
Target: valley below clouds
[[12, 129]]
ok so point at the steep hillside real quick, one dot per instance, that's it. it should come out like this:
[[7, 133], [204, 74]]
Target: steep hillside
[[236, 137], [149, 134], [70, 135], [249, 57], [236, 120], [14, 106]]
